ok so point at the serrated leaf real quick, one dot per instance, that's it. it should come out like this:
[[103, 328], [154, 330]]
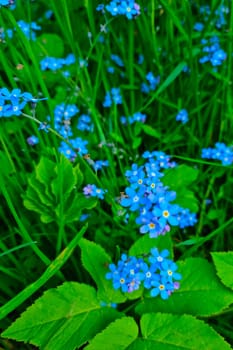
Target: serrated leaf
[[45, 171], [144, 244], [63, 318], [96, 261], [65, 179], [172, 332], [39, 189], [78, 176], [52, 191], [223, 262], [200, 294], [117, 336], [31, 202], [75, 206]]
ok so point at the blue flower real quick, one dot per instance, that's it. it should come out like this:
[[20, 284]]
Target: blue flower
[[166, 213], [162, 287], [132, 199], [32, 140], [182, 116], [169, 271], [93, 191]]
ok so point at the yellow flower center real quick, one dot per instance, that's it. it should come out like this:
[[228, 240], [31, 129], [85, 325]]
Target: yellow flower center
[[166, 213]]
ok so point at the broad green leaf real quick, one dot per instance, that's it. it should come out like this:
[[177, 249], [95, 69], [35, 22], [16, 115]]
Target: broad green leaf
[[78, 176], [65, 179], [186, 199], [173, 332], [178, 179], [63, 318], [39, 189], [223, 262], [32, 202], [74, 206], [96, 261], [200, 294], [180, 176], [144, 244], [117, 336], [45, 171], [49, 45], [52, 191]]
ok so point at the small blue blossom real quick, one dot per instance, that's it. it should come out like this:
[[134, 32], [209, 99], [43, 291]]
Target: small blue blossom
[[112, 96], [32, 140], [93, 191], [182, 116]]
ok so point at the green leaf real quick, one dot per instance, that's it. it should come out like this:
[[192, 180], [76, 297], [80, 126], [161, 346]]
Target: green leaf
[[178, 179], [32, 202], [74, 207], [39, 189], [173, 332], [200, 294], [144, 244], [63, 318], [78, 176], [223, 262], [117, 336], [136, 142], [49, 45], [65, 179], [186, 199], [177, 21], [150, 131], [45, 171], [52, 191], [180, 176], [96, 261]]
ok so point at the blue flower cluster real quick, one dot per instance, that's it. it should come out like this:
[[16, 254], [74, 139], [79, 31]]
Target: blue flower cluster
[[6, 3], [182, 116], [76, 146], [220, 152], [112, 96], [93, 191], [13, 102], [128, 8], [62, 123], [84, 123], [53, 63], [154, 272], [147, 196], [28, 29], [219, 17], [213, 52], [151, 84], [136, 117], [62, 118]]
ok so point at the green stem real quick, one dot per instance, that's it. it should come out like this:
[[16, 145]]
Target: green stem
[[52, 269], [203, 206]]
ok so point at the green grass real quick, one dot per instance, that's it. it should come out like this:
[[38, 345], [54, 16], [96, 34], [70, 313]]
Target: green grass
[[166, 38]]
